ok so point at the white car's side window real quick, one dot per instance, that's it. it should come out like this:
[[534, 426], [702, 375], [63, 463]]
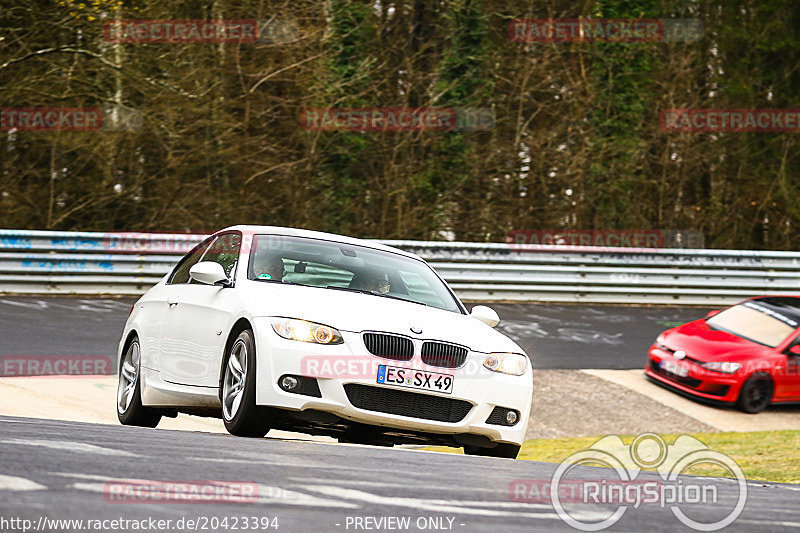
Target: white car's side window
[[225, 251]]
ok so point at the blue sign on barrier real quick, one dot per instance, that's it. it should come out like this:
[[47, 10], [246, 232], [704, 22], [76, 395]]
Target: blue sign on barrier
[[76, 243], [14, 242], [58, 266]]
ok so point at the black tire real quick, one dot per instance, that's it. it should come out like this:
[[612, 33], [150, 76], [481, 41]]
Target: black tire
[[246, 419], [756, 393], [132, 412], [503, 450]]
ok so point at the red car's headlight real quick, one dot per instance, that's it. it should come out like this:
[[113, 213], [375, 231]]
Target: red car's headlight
[[722, 366], [660, 343]]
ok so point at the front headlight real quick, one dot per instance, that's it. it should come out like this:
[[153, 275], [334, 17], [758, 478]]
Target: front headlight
[[722, 366], [302, 330], [506, 363], [660, 344]]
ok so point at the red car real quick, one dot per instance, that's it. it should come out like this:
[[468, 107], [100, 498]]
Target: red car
[[747, 355]]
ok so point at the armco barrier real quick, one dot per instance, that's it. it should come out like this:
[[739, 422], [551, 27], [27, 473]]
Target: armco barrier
[[42, 262]]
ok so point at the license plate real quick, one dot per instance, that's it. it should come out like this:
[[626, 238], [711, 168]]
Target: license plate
[[674, 368], [415, 379]]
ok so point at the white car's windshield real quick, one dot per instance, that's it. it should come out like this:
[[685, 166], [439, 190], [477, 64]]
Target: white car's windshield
[[339, 266], [758, 321]]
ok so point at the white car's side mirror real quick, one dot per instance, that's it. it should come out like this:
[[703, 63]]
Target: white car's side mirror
[[485, 314], [209, 273]]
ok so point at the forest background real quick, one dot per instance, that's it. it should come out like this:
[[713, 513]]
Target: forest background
[[576, 140]]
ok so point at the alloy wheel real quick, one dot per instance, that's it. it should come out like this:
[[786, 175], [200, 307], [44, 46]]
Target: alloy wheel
[[235, 376], [128, 374], [757, 396]]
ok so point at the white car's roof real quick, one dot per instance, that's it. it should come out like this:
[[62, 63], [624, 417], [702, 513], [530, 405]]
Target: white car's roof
[[295, 232]]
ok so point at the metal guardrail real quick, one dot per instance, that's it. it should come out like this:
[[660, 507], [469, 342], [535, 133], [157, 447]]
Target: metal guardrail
[[41, 262]]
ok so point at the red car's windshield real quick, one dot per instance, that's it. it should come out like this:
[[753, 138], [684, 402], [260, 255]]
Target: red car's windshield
[[756, 322]]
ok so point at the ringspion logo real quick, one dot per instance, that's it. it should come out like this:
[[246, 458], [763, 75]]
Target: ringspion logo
[[671, 489]]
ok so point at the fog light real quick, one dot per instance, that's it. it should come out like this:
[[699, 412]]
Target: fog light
[[503, 416], [288, 383], [299, 385]]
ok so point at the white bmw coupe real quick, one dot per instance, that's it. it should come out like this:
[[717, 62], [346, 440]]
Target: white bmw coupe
[[270, 327]]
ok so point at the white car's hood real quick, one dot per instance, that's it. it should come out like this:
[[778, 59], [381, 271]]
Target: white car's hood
[[350, 311]]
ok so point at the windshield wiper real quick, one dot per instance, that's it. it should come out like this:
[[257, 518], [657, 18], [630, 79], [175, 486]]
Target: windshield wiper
[[375, 293]]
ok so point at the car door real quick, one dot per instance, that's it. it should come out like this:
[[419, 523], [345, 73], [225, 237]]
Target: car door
[[791, 377], [153, 310], [196, 321]]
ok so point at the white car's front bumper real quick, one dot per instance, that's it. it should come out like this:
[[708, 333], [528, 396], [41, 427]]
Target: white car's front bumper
[[352, 363]]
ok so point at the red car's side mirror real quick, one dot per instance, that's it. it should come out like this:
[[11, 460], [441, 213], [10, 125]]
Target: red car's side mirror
[[712, 313], [795, 350]]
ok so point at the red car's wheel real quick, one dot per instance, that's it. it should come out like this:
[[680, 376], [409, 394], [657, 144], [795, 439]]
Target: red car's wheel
[[756, 393]]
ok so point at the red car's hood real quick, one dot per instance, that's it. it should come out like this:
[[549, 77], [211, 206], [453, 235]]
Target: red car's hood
[[701, 342]]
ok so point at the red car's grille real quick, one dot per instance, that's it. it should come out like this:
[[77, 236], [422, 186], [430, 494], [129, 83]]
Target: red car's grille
[[684, 380], [685, 357]]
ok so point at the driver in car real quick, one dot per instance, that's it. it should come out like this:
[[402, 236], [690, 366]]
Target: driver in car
[[271, 269], [376, 282]]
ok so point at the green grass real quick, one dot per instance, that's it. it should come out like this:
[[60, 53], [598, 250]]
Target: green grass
[[762, 455]]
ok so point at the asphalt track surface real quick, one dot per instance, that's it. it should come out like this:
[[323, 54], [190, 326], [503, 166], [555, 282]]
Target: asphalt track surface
[[555, 336], [54, 470], [62, 470]]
